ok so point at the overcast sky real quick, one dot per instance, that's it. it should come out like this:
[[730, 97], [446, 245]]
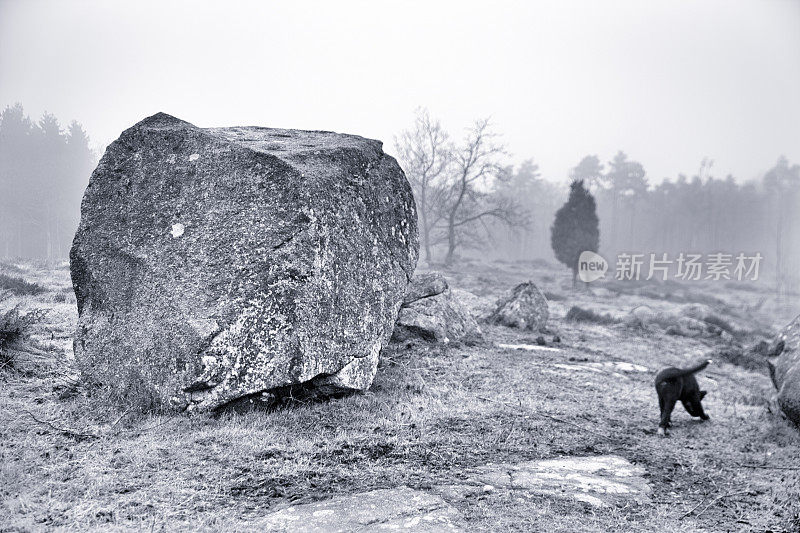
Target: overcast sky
[[668, 82]]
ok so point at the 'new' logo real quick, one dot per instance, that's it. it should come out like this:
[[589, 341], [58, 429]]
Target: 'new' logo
[[591, 266]]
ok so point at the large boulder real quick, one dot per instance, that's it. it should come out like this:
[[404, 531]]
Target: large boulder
[[785, 370], [216, 263], [525, 308], [431, 312]]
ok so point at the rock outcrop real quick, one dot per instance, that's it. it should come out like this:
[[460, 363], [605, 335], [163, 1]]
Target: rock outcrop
[[600, 481], [216, 263], [431, 312], [398, 509], [785, 370], [525, 308]]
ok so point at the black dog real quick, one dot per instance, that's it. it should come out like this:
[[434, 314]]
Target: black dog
[[673, 384]]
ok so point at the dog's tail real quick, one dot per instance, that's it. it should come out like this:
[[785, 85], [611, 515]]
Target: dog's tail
[[673, 373]]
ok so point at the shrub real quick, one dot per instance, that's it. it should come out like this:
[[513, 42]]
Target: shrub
[[742, 286], [554, 296], [13, 328], [721, 323], [19, 286], [11, 267], [579, 314], [541, 263], [749, 359]]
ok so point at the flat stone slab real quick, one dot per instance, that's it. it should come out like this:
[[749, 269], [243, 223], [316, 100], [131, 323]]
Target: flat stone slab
[[603, 480], [399, 509], [607, 366], [528, 347]]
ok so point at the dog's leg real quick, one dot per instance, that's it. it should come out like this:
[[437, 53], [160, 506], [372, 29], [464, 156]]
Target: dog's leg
[[666, 414]]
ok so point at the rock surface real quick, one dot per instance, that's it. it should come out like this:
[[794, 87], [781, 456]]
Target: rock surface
[[786, 370], [401, 509], [431, 312], [691, 320], [605, 480], [215, 263], [599, 481], [525, 308], [424, 285], [479, 307]]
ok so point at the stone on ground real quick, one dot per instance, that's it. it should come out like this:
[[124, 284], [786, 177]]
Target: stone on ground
[[431, 312], [614, 367], [525, 308], [400, 509], [786, 370], [604, 480], [479, 307], [687, 321], [424, 285], [212, 264]]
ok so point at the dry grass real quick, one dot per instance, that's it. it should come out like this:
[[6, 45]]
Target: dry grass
[[579, 314], [432, 415], [19, 286]]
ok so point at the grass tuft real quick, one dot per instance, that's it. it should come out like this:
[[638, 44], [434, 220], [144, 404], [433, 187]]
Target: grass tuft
[[579, 314], [554, 296], [14, 325], [19, 286]]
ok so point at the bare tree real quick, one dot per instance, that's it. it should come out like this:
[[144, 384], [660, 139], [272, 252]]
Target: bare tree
[[782, 182], [470, 202], [425, 154]]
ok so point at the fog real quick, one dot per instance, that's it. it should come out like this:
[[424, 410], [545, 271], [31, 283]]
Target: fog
[[668, 82], [681, 117]]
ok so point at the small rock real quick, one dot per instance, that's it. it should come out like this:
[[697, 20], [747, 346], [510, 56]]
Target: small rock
[[425, 285], [479, 307], [525, 308], [438, 317]]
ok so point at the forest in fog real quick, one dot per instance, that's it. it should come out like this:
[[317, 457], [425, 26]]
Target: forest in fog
[[508, 211], [471, 202], [701, 213], [44, 169]]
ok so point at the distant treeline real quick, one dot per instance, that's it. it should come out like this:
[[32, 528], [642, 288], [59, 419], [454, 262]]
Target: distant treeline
[[702, 214], [43, 173], [466, 200]]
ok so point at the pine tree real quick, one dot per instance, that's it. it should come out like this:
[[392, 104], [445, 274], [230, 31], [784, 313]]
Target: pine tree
[[43, 173], [575, 228]]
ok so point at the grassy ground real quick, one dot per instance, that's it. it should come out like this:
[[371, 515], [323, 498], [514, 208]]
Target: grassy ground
[[433, 415]]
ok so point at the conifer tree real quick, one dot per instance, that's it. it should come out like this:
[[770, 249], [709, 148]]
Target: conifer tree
[[575, 228]]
